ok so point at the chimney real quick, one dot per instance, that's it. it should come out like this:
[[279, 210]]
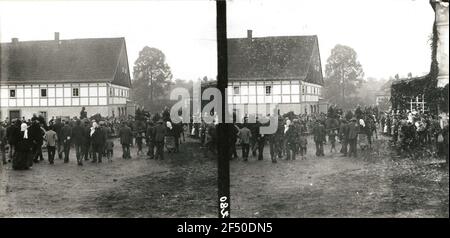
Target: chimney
[[56, 36], [15, 40], [249, 34]]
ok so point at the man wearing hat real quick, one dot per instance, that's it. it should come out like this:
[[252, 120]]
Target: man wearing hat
[[160, 133], [150, 135], [319, 137], [343, 136], [77, 138], [86, 139], [353, 131], [66, 138], [126, 138]]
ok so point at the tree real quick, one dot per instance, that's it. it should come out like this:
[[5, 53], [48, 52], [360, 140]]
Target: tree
[[343, 76], [152, 77]]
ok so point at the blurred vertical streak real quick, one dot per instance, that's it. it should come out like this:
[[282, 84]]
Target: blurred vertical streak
[[222, 130]]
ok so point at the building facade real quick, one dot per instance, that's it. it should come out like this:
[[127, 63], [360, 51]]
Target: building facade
[[284, 70], [57, 78]]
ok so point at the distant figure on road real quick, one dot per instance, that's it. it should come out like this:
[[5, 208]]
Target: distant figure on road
[[52, 138], [126, 138], [319, 137], [160, 133], [66, 138], [245, 134], [98, 142], [353, 131]]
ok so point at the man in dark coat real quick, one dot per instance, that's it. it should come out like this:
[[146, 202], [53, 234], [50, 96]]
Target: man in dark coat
[[37, 139], [66, 137], [343, 136], [291, 140], [273, 140], [358, 113], [3, 142], [178, 130], [234, 130], [58, 129], [254, 128], [97, 142], [77, 139], [86, 142], [160, 133], [319, 137], [353, 131], [126, 138], [12, 140], [150, 134]]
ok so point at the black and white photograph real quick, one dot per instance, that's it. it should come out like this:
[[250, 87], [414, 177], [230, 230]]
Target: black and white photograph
[[85, 109], [362, 95]]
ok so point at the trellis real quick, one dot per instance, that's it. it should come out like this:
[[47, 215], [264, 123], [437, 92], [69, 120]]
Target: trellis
[[436, 98]]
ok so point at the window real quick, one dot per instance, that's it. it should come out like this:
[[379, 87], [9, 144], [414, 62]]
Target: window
[[12, 93], [75, 92], [236, 90], [43, 93], [268, 90], [111, 92]]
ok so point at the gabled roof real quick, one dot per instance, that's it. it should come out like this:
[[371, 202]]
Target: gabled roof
[[62, 61], [280, 57]]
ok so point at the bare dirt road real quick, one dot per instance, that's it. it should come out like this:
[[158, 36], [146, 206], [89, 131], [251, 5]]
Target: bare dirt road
[[182, 185], [376, 184]]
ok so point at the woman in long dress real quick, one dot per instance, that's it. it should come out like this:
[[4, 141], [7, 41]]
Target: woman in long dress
[[24, 157], [362, 137]]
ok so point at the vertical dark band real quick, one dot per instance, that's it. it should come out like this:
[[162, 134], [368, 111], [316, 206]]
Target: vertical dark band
[[222, 131]]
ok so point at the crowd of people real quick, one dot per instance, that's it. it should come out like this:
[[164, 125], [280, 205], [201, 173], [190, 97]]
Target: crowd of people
[[22, 141], [352, 129], [294, 131], [411, 130], [93, 138]]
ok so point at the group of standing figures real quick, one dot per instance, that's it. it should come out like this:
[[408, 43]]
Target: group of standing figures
[[92, 140], [293, 133]]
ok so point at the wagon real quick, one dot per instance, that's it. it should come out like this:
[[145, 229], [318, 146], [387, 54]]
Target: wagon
[[169, 142]]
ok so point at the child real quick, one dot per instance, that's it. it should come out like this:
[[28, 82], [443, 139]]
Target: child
[[303, 143], [139, 137], [332, 140], [109, 149]]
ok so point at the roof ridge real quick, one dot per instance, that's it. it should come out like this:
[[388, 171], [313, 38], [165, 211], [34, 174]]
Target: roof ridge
[[268, 37], [76, 39]]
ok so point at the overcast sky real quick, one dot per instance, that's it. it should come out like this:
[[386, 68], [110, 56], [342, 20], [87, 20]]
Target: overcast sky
[[390, 36], [184, 30]]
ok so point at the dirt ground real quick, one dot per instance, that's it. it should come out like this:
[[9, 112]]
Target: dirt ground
[[182, 185], [378, 183]]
